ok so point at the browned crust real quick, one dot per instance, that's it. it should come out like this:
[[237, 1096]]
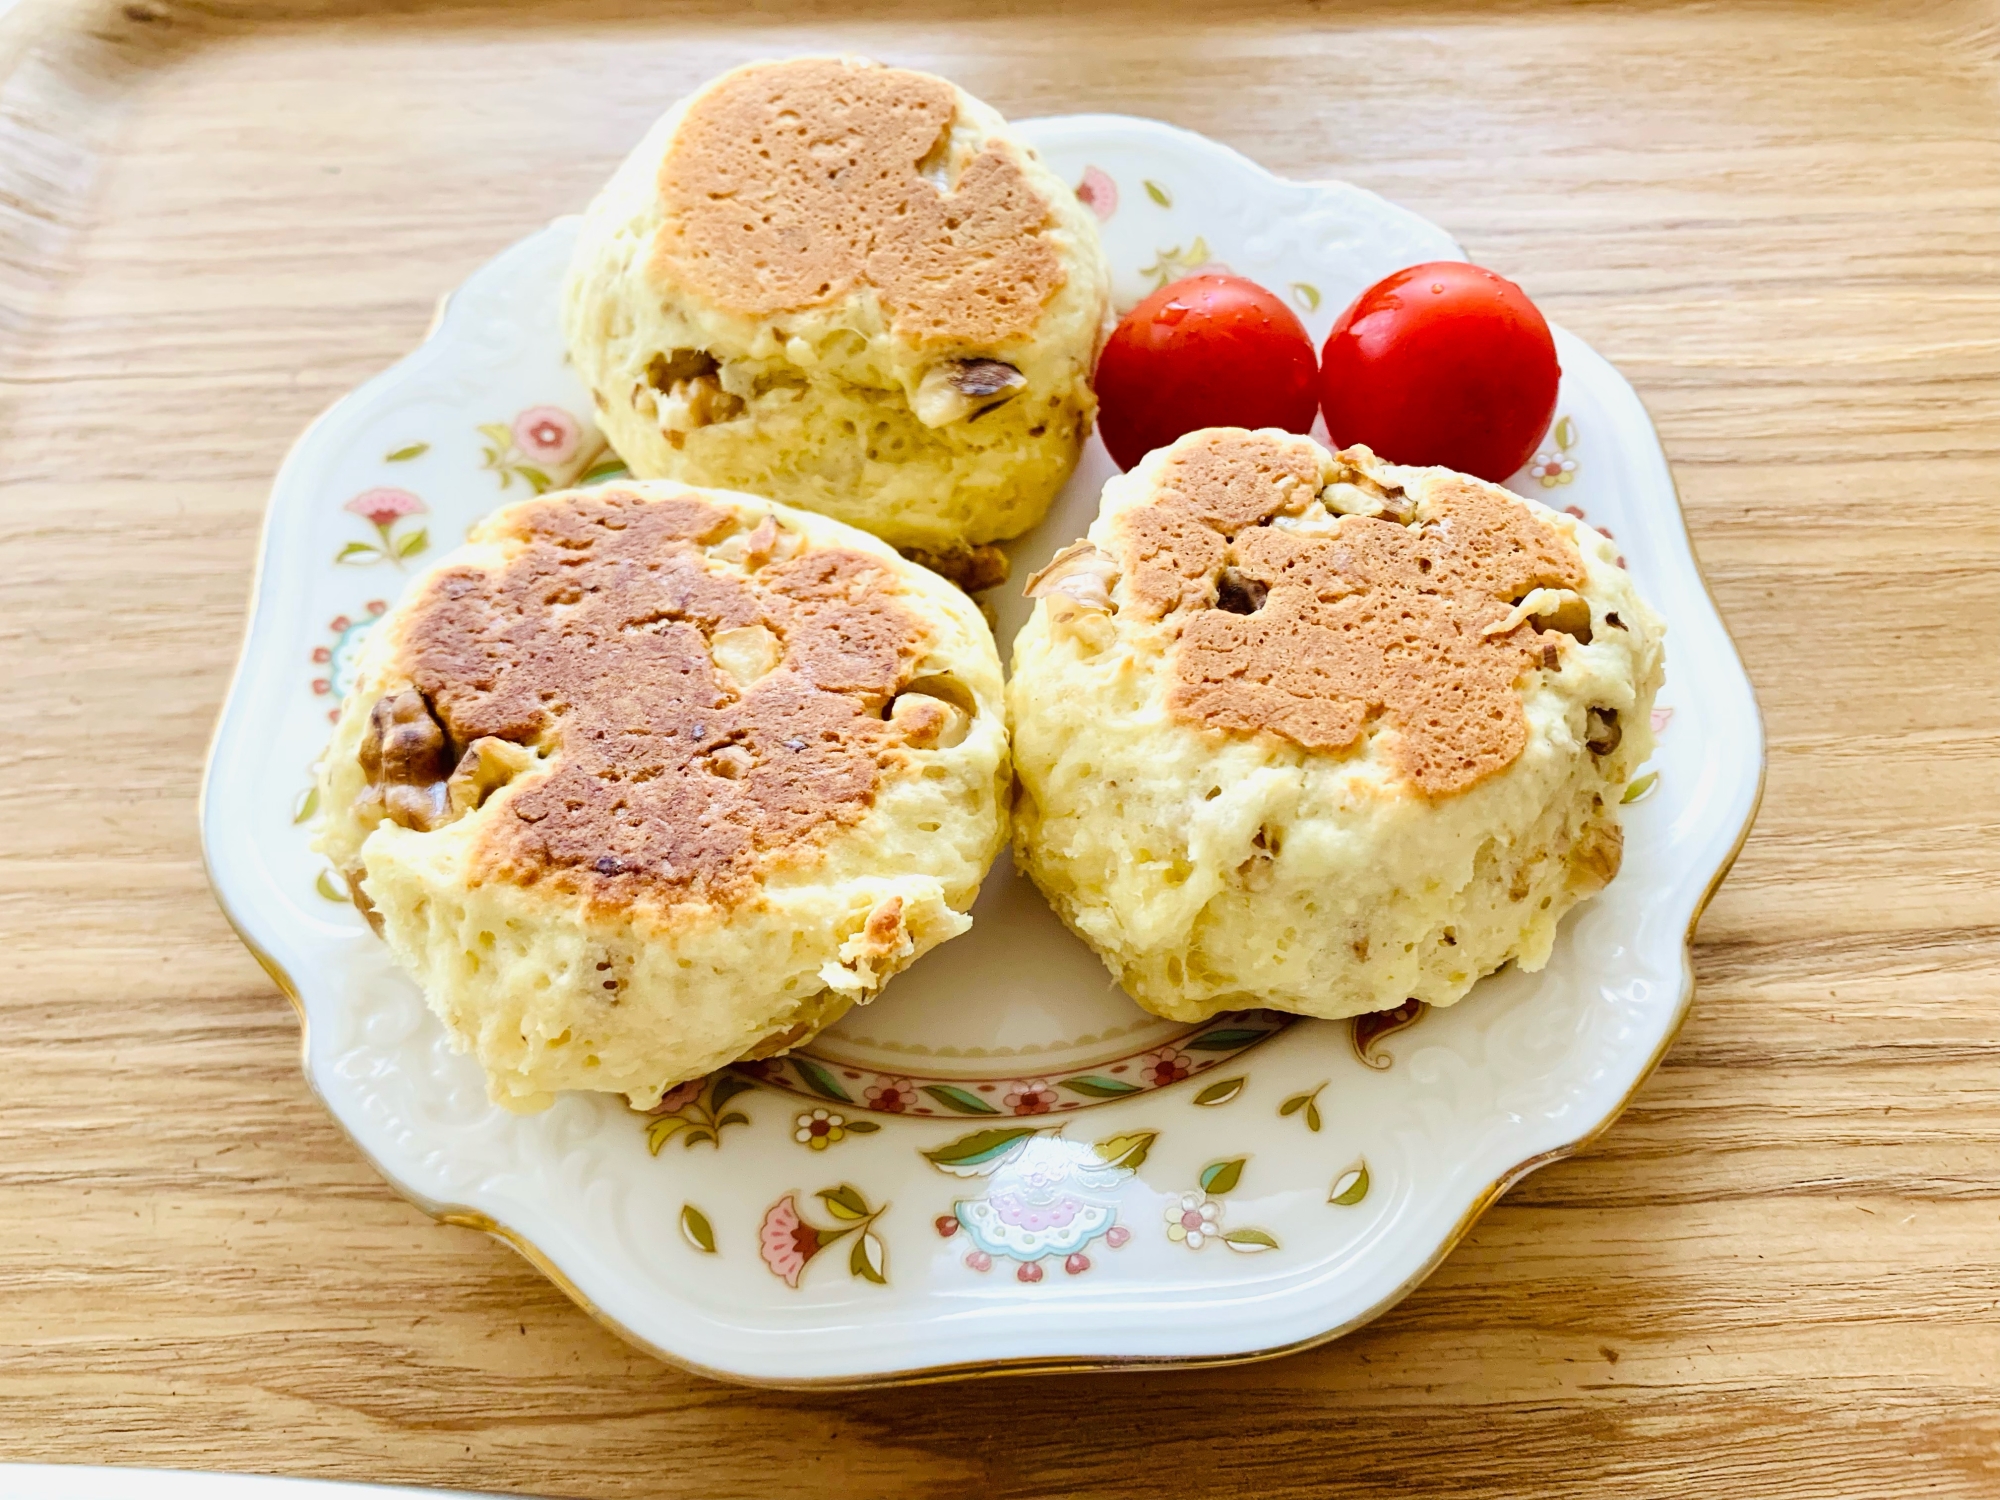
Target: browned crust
[[1377, 620], [666, 783], [790, 184]]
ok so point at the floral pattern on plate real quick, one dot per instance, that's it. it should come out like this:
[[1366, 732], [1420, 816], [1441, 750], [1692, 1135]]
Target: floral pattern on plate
[[1208, 1045], [788, 1241], [546, 448], [1046, 1197]]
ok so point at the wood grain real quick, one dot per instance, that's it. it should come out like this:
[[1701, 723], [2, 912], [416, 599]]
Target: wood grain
[[1779, 1275]]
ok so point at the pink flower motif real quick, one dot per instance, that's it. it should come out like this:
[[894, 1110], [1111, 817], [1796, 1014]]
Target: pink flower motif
[[382, 506], [1031, 1096], [1662, 717], [785, 1241], [1024, 1213], [1167, 1066], [321, 685], [1117, 1235], [1030, 1272], [548, 433], [680, 1096], [322, 654], [1098, 193], [377, 607], [892, 1096]]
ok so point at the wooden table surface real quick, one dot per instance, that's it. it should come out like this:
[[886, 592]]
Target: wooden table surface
[[1778, 1275]]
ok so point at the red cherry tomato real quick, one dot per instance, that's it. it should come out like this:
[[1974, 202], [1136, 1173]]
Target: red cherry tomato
[[1210, 351], [1442, 363]]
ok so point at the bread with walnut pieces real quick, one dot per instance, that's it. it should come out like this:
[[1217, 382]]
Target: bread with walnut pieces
[[850, 288], [1312, 731], [647, 779]]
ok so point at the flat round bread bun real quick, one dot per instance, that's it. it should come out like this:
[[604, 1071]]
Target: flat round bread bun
[[850, 288], [1311, 731], [645, 779]]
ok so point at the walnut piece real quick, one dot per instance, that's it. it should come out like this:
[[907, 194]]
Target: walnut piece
[[487, 765], [1553, 610], [406, 760], [1076, 584], [686, 393], [746, 654], [962, 388], [1355, 491], [1601, 733], [1596, 857], [766, 542], [973, 569]]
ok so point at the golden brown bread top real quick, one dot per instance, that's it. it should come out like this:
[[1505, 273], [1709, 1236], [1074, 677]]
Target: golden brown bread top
[[789, 184], [606, 636], [1315, 636]]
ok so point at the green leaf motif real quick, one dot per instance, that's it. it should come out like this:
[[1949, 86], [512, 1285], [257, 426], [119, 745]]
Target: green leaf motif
[[701, 1135], [844, 1202], [1218, 1177], [1221, 1093], [1127, 1151], [328, 885], [868, 1260], [1350, 1187], [610, 468], [1565, 433], [404, 455], [1159, 194], [734, 1117], [535, 477], [1639, 788], [1307, 1101], [696, 1229], [1092, 1087], [413, 543], [819, 1080], [1249, 1241], [953, 1097], [499, 434], [725, 1086], [358, 553], [862, 1127], [662, 1130], [1226, 1040], [1308, 295], [308, 804], [981, 1146]]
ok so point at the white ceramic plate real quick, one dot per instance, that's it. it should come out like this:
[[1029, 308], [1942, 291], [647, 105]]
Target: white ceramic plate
[[1002, 1163]]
